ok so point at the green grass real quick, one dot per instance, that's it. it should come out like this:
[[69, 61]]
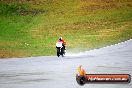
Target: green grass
[[84, 25]]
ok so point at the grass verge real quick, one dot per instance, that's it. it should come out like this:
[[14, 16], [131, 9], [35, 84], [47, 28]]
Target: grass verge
[[26, 30]]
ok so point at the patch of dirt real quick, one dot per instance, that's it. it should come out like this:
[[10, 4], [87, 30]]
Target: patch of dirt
[[93, 5], [7, 43], [11, 53], [106, 1], [32, 12], [99, 7]]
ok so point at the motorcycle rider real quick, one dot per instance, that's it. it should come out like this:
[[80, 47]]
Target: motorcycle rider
[[63, 42], [61, 47]]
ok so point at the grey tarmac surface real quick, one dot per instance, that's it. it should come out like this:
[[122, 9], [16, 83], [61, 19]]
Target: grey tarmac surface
[[54, 72]]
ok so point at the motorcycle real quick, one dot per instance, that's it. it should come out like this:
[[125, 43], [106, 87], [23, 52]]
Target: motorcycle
[[60, 49]]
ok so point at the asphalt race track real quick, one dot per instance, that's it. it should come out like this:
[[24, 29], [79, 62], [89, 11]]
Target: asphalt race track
[[54, 72]]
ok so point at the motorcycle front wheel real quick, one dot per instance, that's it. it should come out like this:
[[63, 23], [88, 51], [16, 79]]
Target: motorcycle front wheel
[[58, 52]]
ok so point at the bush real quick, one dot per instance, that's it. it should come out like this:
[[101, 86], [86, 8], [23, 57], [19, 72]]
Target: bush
[[13, 8]]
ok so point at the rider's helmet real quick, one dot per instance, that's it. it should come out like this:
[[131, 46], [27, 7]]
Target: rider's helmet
[[60, 38]]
